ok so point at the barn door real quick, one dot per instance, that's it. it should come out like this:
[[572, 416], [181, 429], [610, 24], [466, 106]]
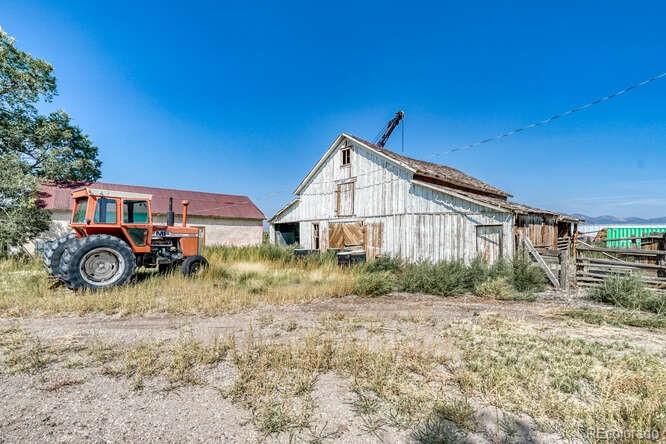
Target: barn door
[[346, 235], [373, 239], [489, 242]]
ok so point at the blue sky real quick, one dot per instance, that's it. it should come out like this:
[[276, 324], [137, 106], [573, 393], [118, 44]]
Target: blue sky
[[244, 97]]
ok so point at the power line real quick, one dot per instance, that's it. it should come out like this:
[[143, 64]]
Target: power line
[[556, 116], [475, 144]]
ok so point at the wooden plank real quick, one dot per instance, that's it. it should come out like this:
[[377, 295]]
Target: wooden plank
[[605, 254], [353, 234], [612, 273], [343, 235], [624, 251], [373, 241], [590, 260], [535, 254], [489, 242], [336, 238]]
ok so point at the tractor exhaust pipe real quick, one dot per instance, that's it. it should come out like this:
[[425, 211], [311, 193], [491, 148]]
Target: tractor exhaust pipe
[[170, 215], [185, 204]]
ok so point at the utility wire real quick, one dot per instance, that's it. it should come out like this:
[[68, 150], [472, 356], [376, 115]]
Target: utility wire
[[556, 116], [481, 142]]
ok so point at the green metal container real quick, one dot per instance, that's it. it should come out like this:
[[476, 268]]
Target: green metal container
[[619, 233]]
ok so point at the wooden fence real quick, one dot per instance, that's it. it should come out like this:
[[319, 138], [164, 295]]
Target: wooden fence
[[578, 263]]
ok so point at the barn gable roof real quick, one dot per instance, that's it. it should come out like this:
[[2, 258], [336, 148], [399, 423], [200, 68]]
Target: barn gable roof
[[58, 197], [439, 173]]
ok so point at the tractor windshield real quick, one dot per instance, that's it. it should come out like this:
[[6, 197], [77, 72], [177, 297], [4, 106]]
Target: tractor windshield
[[105, 211], [79, 216]]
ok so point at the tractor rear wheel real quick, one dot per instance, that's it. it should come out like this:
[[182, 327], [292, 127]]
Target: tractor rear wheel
[[53, 251], [96, 262], [193, 265]]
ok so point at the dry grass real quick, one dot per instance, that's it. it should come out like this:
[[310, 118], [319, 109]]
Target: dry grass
[[616, 317], [233, 282], [433, 389], [566, 384], [179, 362], [391, 385]]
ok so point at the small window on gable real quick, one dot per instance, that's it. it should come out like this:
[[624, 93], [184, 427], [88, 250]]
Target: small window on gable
[[346, 156]]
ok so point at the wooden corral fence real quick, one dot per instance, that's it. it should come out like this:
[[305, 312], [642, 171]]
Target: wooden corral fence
[[596, 262], [578, 262], [556, 264]]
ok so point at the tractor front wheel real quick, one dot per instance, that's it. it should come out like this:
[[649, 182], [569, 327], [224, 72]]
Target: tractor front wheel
[[193, 265], [96, 262]]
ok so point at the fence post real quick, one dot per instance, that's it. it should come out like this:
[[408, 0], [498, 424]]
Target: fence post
[[563, 256]]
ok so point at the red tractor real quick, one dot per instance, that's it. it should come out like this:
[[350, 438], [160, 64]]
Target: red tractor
[[114, 234]]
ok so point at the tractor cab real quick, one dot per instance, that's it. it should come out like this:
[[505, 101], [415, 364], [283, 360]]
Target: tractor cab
[[115, 234], [118, 213]]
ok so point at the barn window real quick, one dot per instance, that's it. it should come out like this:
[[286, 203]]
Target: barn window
[[346, 156], [345, 199]]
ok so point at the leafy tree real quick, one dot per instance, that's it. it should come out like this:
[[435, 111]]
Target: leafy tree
[[21, 218], [34, 147]]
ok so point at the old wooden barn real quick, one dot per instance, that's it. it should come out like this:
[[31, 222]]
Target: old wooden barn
[[362, 196]]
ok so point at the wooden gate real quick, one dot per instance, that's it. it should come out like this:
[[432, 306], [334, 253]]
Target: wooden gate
[[489, 242], [343, 235]]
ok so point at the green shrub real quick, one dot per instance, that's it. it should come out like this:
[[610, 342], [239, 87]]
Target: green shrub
[[628, 292], [525, 275], [453, 277], [383, 264], [501, 268], [375, 284], [495, 288], [443, 278], [477, 272]]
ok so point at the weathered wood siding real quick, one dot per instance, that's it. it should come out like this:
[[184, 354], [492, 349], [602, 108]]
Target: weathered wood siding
[[409, 221], [542, 231], [380, 186]]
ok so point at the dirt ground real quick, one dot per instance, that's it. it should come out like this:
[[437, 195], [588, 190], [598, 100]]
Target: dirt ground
[[80, 404]]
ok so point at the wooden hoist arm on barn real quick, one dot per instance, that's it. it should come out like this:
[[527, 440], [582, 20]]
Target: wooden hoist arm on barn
[[114, 234]]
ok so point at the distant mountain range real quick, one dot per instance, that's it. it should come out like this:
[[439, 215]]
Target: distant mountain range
[[620, 220]]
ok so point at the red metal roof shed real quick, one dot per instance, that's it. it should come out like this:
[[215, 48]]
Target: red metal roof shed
[[54, 197]]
